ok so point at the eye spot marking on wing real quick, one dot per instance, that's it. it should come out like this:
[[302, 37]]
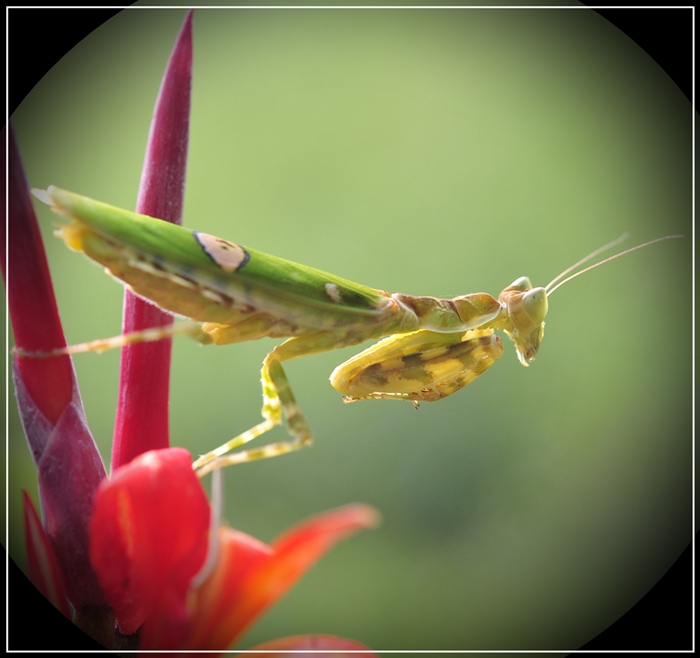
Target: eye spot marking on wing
[[333, 292], [229, 256]]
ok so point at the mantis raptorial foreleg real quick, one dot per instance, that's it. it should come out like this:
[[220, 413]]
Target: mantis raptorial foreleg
[[423, 366]]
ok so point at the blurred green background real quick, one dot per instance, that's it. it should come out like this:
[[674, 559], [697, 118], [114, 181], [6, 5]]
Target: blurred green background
[[434, 152]]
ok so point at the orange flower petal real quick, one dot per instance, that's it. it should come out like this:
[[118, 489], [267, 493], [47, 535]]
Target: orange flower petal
[[250, 576]]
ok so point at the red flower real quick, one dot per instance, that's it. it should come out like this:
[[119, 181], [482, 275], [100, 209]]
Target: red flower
[[149, 538]]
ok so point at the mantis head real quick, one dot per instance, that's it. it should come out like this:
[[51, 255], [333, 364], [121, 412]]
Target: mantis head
[[525, 307]]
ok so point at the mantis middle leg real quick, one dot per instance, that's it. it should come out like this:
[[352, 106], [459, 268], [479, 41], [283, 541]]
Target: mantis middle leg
[[278, 399]]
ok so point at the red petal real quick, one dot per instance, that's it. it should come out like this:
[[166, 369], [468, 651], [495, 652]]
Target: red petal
[[142, 410], [148, 538], [33, 310], [314, 644], [44, 571], [251, 576]]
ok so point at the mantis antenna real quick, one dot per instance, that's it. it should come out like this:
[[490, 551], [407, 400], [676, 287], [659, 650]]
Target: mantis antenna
[[602, 262]]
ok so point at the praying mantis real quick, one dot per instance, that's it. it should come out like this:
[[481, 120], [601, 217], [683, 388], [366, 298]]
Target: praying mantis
[[431, 347]]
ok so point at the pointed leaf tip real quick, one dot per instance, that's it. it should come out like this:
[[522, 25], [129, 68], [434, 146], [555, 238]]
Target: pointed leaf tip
[[142, 409]]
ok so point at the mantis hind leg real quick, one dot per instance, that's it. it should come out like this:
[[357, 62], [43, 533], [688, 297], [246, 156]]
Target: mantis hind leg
[[242, 327], [192, 329]]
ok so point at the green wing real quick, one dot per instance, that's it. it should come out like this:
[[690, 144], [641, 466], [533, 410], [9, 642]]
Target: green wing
[[161, 261]]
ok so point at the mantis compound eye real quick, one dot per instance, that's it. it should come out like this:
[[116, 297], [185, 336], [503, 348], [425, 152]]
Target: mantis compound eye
[[535, 304], [522, 284]]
